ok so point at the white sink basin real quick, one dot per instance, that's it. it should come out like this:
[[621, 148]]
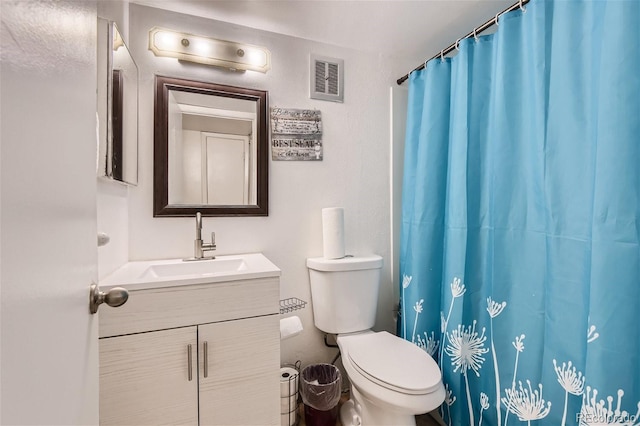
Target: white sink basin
[[175, 272], [200, 267]]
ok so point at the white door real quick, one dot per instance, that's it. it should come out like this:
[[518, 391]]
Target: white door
[[226, 167], [49, 359]]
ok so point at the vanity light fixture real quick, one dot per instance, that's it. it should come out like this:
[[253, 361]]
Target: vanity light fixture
[[209, 51]]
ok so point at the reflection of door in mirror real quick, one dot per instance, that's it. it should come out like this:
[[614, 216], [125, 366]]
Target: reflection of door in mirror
[[225, 160], [212, 150], [117, 160], [210, 169]]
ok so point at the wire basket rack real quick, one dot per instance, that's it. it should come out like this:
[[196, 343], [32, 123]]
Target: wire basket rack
[[291, 304]]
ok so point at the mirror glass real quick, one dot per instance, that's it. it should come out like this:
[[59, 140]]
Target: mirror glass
[[117, 106], [211, 149]]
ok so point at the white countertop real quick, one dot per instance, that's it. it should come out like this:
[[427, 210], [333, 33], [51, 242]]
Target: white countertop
[[147, 274]]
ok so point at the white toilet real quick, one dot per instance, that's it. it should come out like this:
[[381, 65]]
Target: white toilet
[[392, 379]]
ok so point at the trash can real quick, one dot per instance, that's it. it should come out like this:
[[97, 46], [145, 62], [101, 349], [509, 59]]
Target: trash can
[[320, 386]]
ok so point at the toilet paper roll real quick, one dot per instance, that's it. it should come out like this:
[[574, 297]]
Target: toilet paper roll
[[289, 379], [288, 419], [288, 404], [333, 232], [289, 327]]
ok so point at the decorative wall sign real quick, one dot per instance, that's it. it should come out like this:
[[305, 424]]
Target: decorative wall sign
[[296, 134]]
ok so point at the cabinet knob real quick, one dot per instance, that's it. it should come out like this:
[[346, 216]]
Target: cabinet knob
[[115, 297]]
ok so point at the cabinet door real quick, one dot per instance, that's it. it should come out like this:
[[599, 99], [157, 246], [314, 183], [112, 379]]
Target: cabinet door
[[243, 368], [144, 378]]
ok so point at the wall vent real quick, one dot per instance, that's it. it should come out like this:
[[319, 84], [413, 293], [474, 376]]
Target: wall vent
[[327, 78]]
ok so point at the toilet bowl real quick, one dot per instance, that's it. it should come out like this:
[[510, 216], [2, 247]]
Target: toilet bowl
[[392, 380]]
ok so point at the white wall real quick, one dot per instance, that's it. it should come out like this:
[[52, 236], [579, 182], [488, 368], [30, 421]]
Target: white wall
[[112, 197], [191, 167], [398, 98], [354, 173], [113, 219], [176, 153]]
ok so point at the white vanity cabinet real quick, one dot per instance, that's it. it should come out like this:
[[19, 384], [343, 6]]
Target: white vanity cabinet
[[206, 354], [240, 373], [144, 379]]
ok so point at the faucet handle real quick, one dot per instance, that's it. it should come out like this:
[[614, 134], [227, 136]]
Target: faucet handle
[[213, 239]]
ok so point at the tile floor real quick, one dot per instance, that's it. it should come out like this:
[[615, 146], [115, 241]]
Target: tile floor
[[430, 419]]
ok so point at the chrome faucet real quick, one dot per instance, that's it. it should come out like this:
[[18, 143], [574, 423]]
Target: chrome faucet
[[199, 247]]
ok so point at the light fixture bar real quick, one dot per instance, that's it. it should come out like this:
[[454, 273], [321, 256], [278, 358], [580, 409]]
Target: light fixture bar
[[209, 51]]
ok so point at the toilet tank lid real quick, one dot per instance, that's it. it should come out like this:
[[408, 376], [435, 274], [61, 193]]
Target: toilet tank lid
[[348, 263]]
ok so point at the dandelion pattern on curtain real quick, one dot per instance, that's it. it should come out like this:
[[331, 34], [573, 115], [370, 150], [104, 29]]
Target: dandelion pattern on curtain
[[466, 349], [520, 241]]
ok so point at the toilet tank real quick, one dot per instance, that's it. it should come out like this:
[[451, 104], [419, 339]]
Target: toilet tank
[[344, 292]]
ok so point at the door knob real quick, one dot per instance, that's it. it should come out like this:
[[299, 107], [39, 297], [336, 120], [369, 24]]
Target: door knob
[[115, 297]]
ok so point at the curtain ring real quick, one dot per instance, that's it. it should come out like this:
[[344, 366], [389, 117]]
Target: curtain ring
[[496, 20], [457, 42], [442, 55], [474, 34], [522, 7]]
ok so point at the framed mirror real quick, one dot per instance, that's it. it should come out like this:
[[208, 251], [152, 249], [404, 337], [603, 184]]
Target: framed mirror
[[211, 149], [117, 107]]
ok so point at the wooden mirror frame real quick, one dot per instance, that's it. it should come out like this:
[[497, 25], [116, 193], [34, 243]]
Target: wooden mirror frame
[[161, 206]]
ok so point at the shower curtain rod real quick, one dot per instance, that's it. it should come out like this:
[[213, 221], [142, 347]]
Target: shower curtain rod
[[473, 33]]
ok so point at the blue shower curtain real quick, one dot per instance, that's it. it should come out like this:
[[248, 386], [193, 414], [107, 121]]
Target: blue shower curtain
[[520, 255]]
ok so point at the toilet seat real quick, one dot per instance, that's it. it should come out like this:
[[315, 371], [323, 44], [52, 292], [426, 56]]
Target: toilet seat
[[393, 363]]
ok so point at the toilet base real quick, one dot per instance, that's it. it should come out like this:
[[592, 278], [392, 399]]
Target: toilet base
[[358, 411]]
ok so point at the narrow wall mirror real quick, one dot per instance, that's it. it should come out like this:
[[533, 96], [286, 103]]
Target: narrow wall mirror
[[210, 149], [117, 107]]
